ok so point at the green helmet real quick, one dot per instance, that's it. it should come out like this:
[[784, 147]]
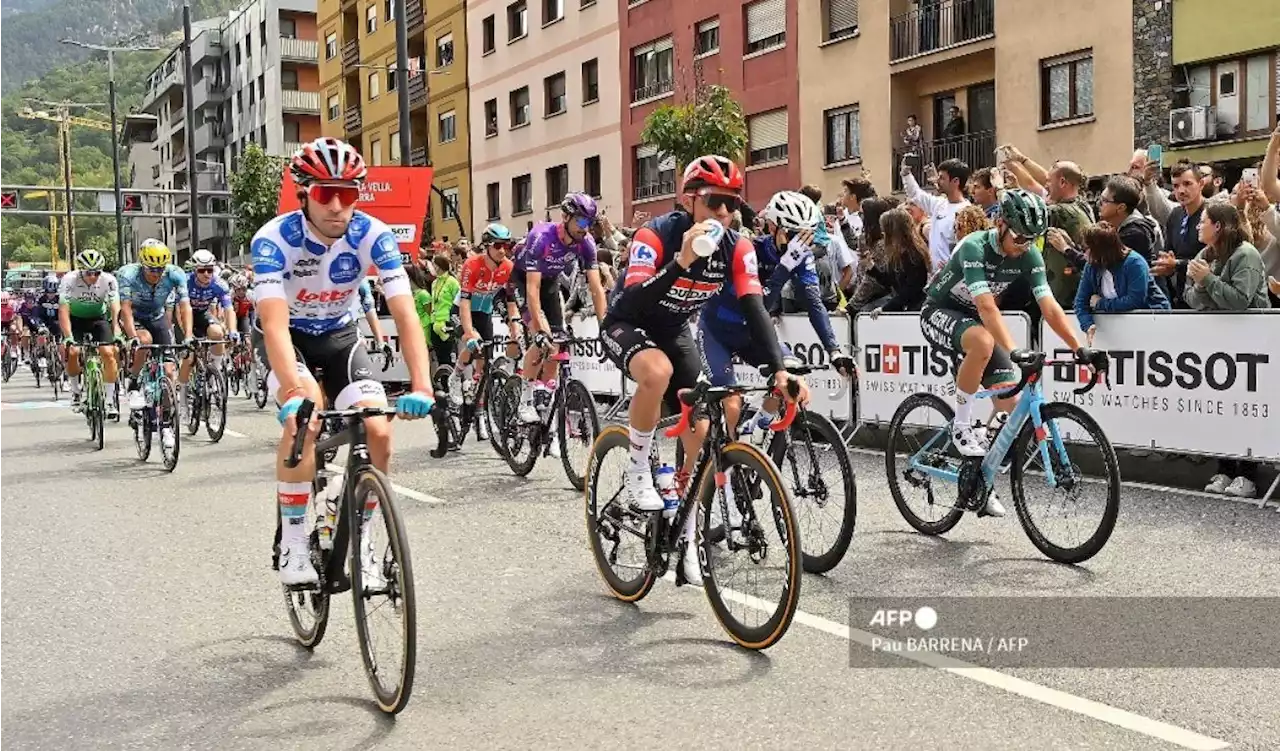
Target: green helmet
[[189, 266], [1024, 213], [495, 231], [90, 260]]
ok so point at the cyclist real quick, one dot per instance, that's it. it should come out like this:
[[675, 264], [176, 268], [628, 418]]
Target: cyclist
[[482, 280], [205, 292], [305, 321], [90, 301], [535, 285], [647, 332], [241, 303], [48, 302], [784, 253], [962, 316], [145, 287], [32, 315]]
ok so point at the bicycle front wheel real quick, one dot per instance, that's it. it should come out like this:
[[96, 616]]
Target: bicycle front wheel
[[382, 586], [812, 457], [1073, 443], [167, 423], [521, 441], [215, 407], [578, 427], [618, 533]]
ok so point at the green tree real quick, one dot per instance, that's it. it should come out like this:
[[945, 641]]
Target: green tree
[[255, 193], [711, 122]]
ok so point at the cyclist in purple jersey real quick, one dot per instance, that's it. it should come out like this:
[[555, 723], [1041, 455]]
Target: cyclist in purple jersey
[[548, 249]]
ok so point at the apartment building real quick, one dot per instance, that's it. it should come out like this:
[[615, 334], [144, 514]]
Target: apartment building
[[1205, 75], [138, 135], [358, 85], [1019, 72], [545, 107], [668, 46]]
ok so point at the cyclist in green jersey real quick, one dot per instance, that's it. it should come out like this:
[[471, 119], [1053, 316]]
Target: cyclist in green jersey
[[962, 313], [89, 304]]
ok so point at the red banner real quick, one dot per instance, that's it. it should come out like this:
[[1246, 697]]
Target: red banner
[[398, 196]]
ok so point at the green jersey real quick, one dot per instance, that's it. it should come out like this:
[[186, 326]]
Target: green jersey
[[977, 267], [86, 300]]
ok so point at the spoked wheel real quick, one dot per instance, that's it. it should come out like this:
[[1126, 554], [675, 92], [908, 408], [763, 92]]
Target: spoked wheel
[[35, 371], [192, 408], [521, 442], [141, 423], [923, 421], [618, 534], [814, 463], [260, 391], [382, 584], [55, 377], [494, 404], [309, 608], [215, 407], [1072, 439], [97, 427], [578, 425], [167, 422]]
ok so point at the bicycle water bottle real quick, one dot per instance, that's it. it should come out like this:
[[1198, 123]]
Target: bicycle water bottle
[[328, 517], [705, 245], [666, 482]]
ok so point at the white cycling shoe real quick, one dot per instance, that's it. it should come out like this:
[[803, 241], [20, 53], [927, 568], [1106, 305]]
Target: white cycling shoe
[[295, 565], [528, 414], [968, 441], [137, 401], [993, 506], [640, 488], [483, 430], [690, 568]]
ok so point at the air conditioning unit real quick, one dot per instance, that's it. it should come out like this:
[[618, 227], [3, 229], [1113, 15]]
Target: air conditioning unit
[[1192, 124]]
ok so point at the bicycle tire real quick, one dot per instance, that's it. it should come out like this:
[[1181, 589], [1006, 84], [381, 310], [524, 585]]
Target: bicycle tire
[[953, 516], [310, 636], [142, 434], [819, 561], [1095, 543], [493, 406], [167, 413], [767, 634], [217, 387], [511, 392], [390, 702], [35, 371], [634, 590], [577, 391], [260, 392]]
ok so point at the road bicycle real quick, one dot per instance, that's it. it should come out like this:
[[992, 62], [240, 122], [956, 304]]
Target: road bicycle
[[612, 522], [9, 358], [239, 366], [39, 354], [94, 399], [206, 394], [338, 539], [481, 396], [161, 414], [920, 456], [571, 414]]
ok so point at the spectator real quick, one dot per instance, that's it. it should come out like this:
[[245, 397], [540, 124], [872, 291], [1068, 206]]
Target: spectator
[[866, 286], [1114, 280], [920, 216], [971, 219], [985, 188], [912, 136], [952, 177], [1181, 241], [955, 124], [1269, 186], [1211, 180], [856, 190], [906, 264], [1119, 206], [421, 284]]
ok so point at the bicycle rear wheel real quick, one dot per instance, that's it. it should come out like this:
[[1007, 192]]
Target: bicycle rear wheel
[[309, 608], [577, 426], [813, 459], [494, 404], [1076, 430], [612, 525], [939, 511], [215, 406], [390, 670], [518, 437]]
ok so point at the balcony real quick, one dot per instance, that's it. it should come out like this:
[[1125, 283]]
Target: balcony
[[414, 18], [155, 173], [299, 50], [209, 137], [939, 26], [350, 55], [418, 156], [653, 90], [663, 187], [417, 90], [179, 159], [292, 147], [300, 102], [974, 149], [353, 120]]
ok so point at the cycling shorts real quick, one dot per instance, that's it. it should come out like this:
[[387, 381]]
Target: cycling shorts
[[548, 295], [244, 326], [161, 332], [944, 329], [200, 323], [481, 322], [622, 341], [347, 376], [720, 346], [98, 328]]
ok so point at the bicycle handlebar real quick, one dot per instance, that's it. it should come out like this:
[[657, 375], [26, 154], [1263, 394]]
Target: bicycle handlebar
[[1032, 363], [703, 392], [307, 410]]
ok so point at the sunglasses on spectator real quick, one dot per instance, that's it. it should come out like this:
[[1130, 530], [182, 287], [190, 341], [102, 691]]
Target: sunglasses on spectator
[[324, 194], [716, 201]]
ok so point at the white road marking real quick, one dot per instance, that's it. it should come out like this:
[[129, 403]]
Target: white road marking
[[233, 434]]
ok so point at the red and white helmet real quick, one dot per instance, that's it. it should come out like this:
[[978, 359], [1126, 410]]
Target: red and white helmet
[[327, 159], [712, 171]]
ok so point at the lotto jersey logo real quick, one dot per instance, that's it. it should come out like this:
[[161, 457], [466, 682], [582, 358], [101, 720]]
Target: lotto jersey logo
[[323, 296]]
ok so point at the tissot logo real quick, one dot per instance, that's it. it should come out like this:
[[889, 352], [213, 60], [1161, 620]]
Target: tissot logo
[[1159, 368], [905, 359]]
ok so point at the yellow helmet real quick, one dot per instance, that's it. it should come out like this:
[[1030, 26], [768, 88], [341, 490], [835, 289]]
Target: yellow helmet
[[154, 253]]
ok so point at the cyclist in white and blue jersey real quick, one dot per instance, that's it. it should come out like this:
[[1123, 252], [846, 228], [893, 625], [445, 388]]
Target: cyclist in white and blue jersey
[[144, 288]]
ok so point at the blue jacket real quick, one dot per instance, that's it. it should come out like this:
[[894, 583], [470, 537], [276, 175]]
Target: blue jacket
[[1136, 289]]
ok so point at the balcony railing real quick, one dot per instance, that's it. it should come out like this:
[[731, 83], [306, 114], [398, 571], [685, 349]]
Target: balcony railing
[[663, 187], [300, 102], [417, 90], [353, 121], [350, 53], [179, 159], [299, 50], [938, 25], [418, 156], [413, 16], [657, 88], [155, 172], [292, 147], [974, 149]]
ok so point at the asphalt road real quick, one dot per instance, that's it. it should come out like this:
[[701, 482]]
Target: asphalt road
[[140, 611]]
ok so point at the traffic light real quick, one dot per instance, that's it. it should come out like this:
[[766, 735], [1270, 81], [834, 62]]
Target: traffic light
[[9, 199], [132, 203]]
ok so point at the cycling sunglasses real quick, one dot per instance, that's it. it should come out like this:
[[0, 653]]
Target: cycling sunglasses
[[715, 201], [205, 270], [1022, 240], [154, 269], [504, 244], [582, 222], [346, 194]]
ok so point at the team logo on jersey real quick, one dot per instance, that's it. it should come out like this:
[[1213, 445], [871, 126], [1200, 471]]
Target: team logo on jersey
[[267, 257], [357, 229], [344, 268], [643, 254], [751, 263], [386, 252], [291, 229]]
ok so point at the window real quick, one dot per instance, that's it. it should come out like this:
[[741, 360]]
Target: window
[[491, 118], [391, 74], [766, 25], [520, 107], [374, 81], [447, 127], [651, 71], [1256, 99], [394, 147], [330, 47], [517, 20], [289, 80], [449, 204], [653, 177], [557, 184], [522, 194], [237, 53], [262, 33], [389, 10], [239, 97], [591, 176], [840, 19], [288, 28], [375, 152], [335, 106], [444, 51], [487, 33], [552, 11], [767, 137], [1066, 87], [248, 46], [262, 136], [493, 199], [371, 19], [707, 41], [591, 81], [842, 134], [253, 95], [262, 86], [292, 131], [555, 97]]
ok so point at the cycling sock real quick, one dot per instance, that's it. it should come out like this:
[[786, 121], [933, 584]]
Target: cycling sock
[[75, 385], [218, 360], [293, 497], [111, 391], [640, 442], [964, 409]]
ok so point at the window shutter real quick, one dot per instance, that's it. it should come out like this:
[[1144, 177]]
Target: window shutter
[[767, 130], [706, 26], [644, 151], [841, 15], [662, 45], [765, 18]]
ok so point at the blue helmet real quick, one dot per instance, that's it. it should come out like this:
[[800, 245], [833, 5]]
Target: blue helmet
[[579, 205], [50, 283], [495, 231]]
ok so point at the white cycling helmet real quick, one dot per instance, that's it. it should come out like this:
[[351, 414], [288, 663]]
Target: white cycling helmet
[[203, 259], [792, 211]]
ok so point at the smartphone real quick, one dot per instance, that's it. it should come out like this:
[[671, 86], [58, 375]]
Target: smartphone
[[1249, 176], [1002, 154], [1155, 153]]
